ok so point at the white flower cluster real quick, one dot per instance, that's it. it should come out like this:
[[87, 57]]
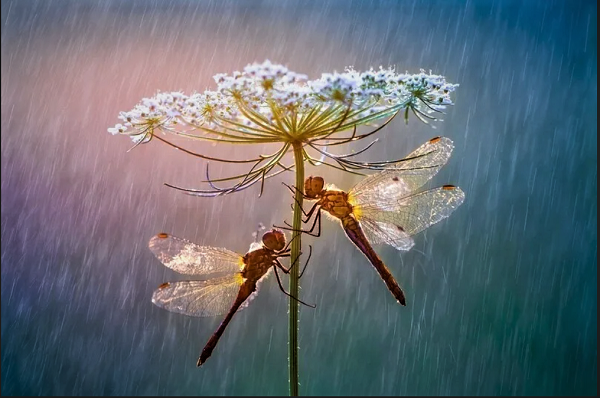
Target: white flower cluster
[[269, 99]]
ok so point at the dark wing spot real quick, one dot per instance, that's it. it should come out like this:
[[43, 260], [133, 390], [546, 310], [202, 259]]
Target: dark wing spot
[[395, 179], [163, 235], [164, 285], [448, 187], [400, 228], [434, 140]]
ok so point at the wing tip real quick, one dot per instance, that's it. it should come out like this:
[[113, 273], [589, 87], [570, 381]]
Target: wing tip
[[446, 142], [157, 238], [458, 194], [438, 146]]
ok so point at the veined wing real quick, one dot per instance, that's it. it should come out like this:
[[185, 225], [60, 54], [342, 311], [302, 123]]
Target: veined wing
[[382, 232], [405, 176], [189, 258], [400, 218], [199, 298]]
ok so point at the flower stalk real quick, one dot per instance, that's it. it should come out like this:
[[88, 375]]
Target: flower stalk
[[294, 274]]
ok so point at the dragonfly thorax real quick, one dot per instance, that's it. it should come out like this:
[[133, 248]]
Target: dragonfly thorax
[[257, 263], [336, 203]]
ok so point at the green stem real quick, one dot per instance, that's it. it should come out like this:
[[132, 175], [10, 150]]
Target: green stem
[[294, 282]]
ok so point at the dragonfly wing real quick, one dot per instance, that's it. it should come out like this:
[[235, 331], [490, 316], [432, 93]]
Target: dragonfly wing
[[403, 177], [199, 298], [189, 258], [414, 213], [382, 232]]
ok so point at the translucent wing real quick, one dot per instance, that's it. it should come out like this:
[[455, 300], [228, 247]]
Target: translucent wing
[[186, 257], [381, 232], [199, 298], [409, 215], [405, 176]]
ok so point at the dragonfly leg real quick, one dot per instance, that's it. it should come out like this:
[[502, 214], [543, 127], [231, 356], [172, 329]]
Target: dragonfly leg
[[290, 225], [289, 295], [282, 268], [306, 263], [286, 249], [287, 270], [294, 189], [310, 212], [309, 232], [315, 223]]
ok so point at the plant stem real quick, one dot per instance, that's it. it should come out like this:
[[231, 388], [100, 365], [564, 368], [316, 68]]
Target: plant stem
[[294, 282]]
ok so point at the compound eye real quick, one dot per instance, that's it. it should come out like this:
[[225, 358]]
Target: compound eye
[[274, 239], [313, 186]]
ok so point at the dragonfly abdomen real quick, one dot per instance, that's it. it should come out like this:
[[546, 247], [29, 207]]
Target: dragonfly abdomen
[[357, 236], [245, 291]]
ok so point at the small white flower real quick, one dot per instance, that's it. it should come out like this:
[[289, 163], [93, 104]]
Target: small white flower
[[172, 112], [178, 96], [220, 78], [151, 104], [118, 129], [126, 116]]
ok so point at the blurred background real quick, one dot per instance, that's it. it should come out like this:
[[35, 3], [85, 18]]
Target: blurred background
[[502, 296]]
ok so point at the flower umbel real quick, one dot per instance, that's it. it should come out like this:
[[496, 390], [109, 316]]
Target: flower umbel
[[268, 103]]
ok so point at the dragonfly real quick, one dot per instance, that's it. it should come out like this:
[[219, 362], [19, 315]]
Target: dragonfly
[[386, 207], [220, 295]]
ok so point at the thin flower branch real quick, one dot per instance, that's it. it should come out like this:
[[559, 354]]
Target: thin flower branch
[[341, 167], [260, 177], [248, 179], [354, 137], [348, 165], [204, 156]]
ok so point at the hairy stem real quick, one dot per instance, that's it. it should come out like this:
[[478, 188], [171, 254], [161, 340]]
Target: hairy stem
[[294, 282]]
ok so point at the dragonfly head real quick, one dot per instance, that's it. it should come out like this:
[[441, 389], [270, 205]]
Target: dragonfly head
[[274, 239], [313, 186]]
